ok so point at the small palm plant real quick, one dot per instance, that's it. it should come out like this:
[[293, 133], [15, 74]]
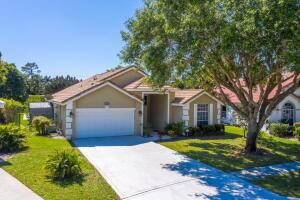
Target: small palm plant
[[63, 164]]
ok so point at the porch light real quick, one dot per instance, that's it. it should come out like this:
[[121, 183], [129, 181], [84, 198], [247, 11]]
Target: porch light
[[71, 114], [140, 112]]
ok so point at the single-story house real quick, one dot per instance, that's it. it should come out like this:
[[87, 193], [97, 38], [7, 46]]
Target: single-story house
[[118, 102]]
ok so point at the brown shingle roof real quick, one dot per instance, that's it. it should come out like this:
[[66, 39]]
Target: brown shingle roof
[[84, 86], [183, 96]]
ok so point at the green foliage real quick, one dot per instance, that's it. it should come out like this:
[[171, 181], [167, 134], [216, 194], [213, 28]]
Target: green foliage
[[219, 44], [195, 41], [41, 124], [35, 98], [12, 138], [55, 84], [14, 87], [297, 124], [279, 129], [296, 132], [220, 128], [11, 111], [176, 127], [63, 164], [3, 71], [33, 78], [208, 129]]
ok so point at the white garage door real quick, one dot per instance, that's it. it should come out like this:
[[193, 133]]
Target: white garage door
[[100, 122]]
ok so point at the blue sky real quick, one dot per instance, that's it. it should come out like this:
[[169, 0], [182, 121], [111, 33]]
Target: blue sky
[[75, 37]]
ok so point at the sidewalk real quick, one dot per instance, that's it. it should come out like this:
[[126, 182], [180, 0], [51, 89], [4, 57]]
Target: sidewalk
[[12, 189], [261, 172]]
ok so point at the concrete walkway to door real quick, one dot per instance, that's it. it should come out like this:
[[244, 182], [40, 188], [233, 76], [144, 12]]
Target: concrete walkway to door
[[139, 169]]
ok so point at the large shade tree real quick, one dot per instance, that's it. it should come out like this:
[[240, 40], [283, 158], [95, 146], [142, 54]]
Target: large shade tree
[[14, 86], [246, 48]]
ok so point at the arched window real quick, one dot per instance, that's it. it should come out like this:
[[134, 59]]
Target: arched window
[[288, 112]]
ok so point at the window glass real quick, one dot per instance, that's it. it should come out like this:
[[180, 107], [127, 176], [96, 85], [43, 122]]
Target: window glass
[[202, 114]]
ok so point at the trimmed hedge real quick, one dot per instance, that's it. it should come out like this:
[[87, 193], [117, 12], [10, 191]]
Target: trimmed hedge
[[296, 133], [206, 130], [280, 129], [175, 128]]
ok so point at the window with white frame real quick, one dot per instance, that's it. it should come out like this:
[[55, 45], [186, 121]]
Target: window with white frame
[[202, 114], [223, 112], [288, 112]]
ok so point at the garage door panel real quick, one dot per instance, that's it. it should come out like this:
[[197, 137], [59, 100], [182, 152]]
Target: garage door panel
[[104, 122]]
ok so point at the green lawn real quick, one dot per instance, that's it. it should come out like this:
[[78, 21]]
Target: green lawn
[[285, 184], [27, 166], [224, 152]]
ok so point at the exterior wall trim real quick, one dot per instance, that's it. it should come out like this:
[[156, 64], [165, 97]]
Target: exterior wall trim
[[202, 93]]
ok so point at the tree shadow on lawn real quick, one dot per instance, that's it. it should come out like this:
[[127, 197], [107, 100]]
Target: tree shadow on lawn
[[288, 149], [230, 157], [216, 184], [284, 184], [4, 163]]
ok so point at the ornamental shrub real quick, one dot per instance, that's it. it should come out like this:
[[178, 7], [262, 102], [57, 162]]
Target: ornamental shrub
[[11, 110], [296, 133], [220, 128], [63, 164], [297, 124], [12, 138], [279, 129], [177, 127], [208, 128], [41, 124]]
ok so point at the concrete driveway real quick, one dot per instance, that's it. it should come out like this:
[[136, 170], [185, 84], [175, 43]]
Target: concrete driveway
[[139, 169]]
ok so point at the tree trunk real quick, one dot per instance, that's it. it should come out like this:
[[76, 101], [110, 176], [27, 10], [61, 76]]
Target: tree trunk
[[253, 131]]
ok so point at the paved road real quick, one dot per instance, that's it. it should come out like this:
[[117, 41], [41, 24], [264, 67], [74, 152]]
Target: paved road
[[139, 169], [12, 189]]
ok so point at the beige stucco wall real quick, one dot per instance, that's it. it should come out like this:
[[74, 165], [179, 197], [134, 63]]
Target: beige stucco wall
[[116, 99], [127, 78], [158, 111], [109, 94], [176, 114], [60, 113], [203, 99]]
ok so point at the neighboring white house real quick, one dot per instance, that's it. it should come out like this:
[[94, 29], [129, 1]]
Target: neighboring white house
[[288, 109]]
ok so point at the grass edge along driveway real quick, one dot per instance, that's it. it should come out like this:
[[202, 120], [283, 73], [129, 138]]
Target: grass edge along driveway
[[287, 184], [224, 151], [28, 167]]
